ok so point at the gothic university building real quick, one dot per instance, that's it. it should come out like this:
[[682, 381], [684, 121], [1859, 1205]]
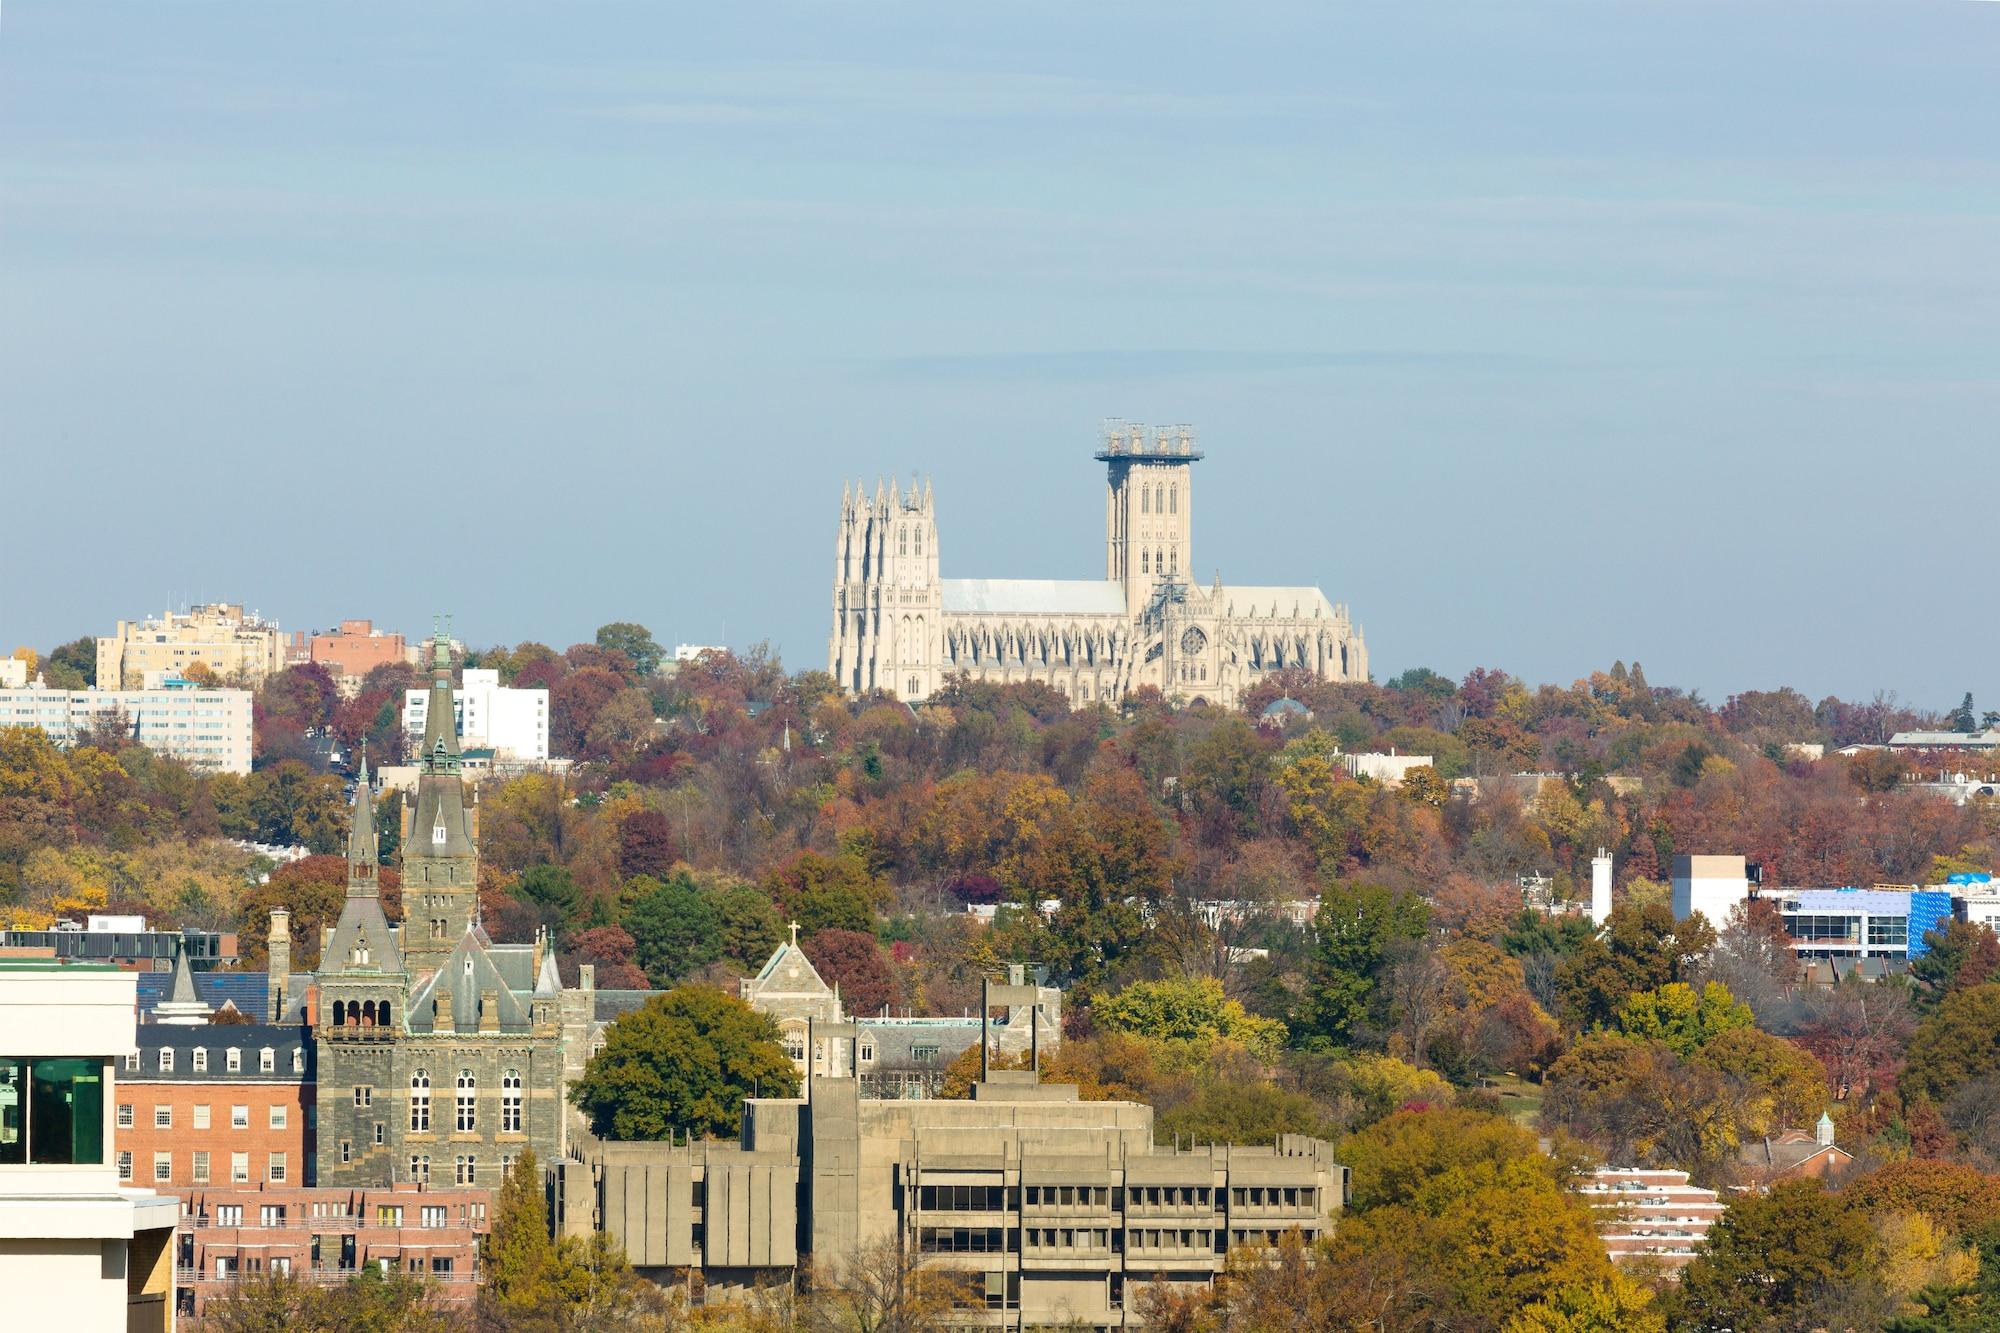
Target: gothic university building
[[899, 627], [440, 1053]]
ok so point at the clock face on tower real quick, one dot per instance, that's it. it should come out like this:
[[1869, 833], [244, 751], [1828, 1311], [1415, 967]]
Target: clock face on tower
[[1194, 641]]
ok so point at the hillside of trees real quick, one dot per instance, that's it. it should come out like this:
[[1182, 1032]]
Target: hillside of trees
[[710, 807]]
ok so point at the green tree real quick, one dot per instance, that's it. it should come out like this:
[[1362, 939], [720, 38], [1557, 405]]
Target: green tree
[[1964, 717], [518, 1255], [674, 927], [1642, 949], [1959, 954], [635, 641], [682, 1063], [1617, 1305], [1187, 1009], [73, 666], [1679, 1018], [1359, 928], [1958, 1043], [551, 893], [747, 926], [1771, 1257]]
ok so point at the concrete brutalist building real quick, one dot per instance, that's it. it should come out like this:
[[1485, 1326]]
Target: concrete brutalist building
[[1063, 1210]]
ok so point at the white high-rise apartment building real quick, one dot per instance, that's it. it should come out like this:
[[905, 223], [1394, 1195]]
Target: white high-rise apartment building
[[208, 728], [511, 723]]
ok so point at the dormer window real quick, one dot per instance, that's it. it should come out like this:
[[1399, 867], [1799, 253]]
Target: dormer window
[[468, 968], [437, 832], [360, 953]]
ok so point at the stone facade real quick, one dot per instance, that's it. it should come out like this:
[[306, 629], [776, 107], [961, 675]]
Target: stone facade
[[899, 627], [893, 1056], [440, 1052]]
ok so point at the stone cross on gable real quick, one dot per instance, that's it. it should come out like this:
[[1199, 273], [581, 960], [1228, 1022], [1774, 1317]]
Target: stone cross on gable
[[795, 934]]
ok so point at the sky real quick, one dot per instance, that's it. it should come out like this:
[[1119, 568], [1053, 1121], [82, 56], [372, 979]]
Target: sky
[[1542, 335]]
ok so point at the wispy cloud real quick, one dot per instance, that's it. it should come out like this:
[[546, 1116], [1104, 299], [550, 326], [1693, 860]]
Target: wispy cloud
[[1162, 363]]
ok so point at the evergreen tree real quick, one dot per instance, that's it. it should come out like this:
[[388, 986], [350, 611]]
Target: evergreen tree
[[517, 1257]]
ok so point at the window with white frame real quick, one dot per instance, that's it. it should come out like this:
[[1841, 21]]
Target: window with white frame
[[163, 1166], [201, 1059], [166, 1059], [510, 1102], [420, 1101], [468, 1091], [163, 1117], [201, 1116], [267, 1061], [124, 1166]]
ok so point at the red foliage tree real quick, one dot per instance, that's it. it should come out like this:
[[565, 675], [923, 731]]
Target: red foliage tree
[[852, 960], [646, 844]]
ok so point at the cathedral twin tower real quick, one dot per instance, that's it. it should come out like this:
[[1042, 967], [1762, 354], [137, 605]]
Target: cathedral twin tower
[[899, 627]]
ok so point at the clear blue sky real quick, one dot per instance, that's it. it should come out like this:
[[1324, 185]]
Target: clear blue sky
[[1541, 334]]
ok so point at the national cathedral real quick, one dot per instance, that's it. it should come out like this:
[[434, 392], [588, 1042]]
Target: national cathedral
[[899, 627]]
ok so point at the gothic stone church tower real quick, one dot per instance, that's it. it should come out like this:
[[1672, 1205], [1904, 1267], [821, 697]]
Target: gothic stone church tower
[[899, 627], [440, 1052]]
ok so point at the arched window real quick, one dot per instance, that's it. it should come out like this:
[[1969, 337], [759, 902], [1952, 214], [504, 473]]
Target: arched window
[[1174, 560], [468, 1091], [382, 1013], [1159, 562], [1145, 499], [920, 541], [1145, 561], [420, 1101], [339, 1012], [902, 540], [1173, 499], [510, 1102]]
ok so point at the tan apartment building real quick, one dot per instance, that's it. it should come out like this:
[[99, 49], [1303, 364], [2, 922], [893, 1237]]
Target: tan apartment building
[[240, 647], [1059, 1211]]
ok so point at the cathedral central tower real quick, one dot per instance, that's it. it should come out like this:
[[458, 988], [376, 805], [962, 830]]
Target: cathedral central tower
[[1148, 508]]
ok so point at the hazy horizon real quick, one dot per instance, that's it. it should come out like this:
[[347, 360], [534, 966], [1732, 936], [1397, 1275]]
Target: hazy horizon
[[1541, 336]]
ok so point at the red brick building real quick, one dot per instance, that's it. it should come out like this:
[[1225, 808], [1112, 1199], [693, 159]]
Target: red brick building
[[355, 649], [228, 1233], [216, 1105]]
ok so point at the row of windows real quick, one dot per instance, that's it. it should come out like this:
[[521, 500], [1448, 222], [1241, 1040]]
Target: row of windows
[[232, 1060], [239, 1116], [1160, 499], [996, 1198], [232, 1265], [464, 1167], [276, 1167], [1151, 1238], [465, 1103], [1073, 1238], [1160, 561], [961, 1240]]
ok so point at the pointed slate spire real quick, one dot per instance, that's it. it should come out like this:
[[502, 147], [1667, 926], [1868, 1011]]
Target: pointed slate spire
[[364, 852], [440, 754], [183, 1006]]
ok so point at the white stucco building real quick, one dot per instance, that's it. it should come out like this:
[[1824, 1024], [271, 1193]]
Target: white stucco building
[[76, 1250], [208, 728], [898, 626], [512, 723]]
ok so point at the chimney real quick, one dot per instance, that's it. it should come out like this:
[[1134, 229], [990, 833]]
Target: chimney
[[489, 1011], [443, 1020], [279, 969], [1600, 887], [541, 943], [586, 976]]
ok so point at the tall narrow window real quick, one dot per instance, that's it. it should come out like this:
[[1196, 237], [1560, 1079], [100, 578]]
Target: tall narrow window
[[902, 540], [468, 1088], [1145, 561], [420, 1101], [1173, 499], [1145, 499], [510, 1102]]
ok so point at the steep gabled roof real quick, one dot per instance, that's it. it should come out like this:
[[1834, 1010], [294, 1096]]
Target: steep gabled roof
[[468, 974]]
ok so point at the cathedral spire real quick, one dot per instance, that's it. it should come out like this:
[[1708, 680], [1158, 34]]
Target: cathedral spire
[[363, 850]]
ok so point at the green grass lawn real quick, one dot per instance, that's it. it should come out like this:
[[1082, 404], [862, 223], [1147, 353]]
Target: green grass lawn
[[1519, 1099]]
